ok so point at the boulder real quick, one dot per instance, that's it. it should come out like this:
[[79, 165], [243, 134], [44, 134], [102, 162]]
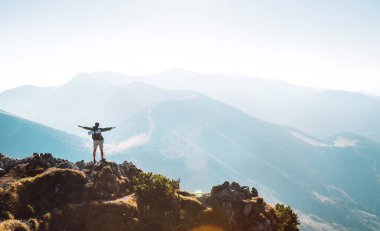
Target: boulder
[[240, 207]]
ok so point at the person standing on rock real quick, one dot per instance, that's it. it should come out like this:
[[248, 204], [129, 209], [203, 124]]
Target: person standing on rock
[[97, 137]]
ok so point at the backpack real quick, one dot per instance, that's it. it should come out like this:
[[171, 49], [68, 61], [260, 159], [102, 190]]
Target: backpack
[[96, 134]]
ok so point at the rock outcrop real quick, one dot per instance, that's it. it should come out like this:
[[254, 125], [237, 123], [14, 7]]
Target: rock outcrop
[[242, 207], [46, 193]]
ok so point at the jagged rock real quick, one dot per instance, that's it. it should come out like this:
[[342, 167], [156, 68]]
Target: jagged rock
[[229, 192], [128, 169], [80, 164], [31, 166], [254, 192], [99, 181], [6, 162], [241, 207]]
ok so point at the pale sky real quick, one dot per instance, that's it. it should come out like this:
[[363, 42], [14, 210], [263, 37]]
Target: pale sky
[[320, 43]]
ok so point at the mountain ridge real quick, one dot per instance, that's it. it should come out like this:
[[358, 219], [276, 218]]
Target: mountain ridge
[[205, 142], [275, 101], [45, 193], [20, 136]]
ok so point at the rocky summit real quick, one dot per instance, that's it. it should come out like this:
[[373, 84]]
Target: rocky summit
[[42, 192]]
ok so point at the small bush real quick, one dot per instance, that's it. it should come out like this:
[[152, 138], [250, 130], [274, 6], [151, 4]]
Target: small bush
[[157, 201], [288, 219], [190, 206]]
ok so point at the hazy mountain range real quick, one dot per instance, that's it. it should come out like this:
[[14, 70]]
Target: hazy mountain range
[[333, 181], [20, 137], [83, 102], [202, 141], [320, 113]]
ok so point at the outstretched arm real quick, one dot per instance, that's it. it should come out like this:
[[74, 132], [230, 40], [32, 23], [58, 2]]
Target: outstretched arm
[[87, 128], [106, 129]]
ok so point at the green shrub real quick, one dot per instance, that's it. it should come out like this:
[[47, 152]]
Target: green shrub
[[288, 219], [157, 201], [190, 206]]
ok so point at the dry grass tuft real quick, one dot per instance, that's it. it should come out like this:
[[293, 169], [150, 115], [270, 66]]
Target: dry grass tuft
[[38, 194], [109, 215], [13, 225]]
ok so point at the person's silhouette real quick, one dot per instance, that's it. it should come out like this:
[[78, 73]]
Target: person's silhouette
[[97, 137]]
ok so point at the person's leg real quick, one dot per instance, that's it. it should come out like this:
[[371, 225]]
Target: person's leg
[[94, 151], [102, 153], [101, 149]]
